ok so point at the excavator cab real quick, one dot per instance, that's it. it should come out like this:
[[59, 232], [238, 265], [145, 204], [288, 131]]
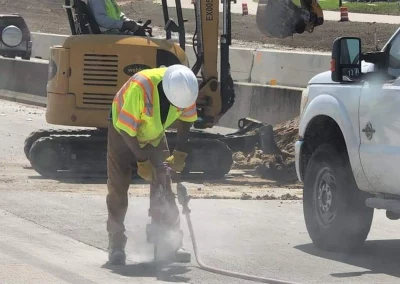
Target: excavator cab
[[81, 21]]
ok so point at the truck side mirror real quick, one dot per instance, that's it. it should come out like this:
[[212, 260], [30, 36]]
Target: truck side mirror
[[346, 59]]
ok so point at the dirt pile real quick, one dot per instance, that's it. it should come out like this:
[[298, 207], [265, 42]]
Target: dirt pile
[[279, 167]]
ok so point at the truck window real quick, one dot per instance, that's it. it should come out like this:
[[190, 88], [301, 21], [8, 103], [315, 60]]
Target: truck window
[[394, 57], [349, 51], [353, 51]]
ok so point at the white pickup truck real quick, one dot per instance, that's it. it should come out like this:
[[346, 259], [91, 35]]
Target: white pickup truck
[[348, 153]]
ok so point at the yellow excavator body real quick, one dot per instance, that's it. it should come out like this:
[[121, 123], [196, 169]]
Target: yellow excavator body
[[86, 72]]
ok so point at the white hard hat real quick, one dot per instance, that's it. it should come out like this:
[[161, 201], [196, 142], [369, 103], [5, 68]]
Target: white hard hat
[[180, 86]]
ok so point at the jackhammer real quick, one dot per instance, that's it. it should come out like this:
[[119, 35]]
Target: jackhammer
[[164, 230]]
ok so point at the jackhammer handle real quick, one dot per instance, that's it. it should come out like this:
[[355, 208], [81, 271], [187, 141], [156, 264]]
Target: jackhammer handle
[[175, 176], [181, 191], [183, 197]]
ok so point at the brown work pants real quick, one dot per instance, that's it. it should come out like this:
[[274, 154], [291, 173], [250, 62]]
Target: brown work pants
[[120, 163]]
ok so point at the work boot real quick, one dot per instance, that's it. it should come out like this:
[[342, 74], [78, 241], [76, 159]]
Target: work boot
[[117, 257], [116, 248], [183, 256]]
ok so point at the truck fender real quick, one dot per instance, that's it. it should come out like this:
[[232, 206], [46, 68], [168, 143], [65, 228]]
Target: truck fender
[[327, 105]]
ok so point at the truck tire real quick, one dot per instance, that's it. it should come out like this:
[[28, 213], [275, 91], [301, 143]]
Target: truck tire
[[335, 213]]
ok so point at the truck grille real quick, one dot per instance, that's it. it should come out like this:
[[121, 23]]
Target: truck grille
[[100, 73]]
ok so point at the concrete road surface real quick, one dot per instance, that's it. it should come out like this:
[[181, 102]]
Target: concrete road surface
[[328, 15], [54, 231], [60, 238]]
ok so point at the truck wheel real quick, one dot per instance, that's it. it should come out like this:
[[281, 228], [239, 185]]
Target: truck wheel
[[335, 213]]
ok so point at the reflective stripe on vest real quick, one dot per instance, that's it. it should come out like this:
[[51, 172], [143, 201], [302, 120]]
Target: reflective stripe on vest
[[144, 118], [129, 120], [147, 87], [190, 112], [113, 10]]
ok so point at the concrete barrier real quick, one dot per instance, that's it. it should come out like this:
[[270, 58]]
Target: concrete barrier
[[240, 66], [24, 76], [248, 65], [41, 43], [241, 62], [270, 104], [288, 68]]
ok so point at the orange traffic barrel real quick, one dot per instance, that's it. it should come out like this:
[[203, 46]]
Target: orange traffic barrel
[[344, 14], [245, 10]]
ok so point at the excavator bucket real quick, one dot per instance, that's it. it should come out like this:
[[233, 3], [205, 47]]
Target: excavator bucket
[[283, 18]]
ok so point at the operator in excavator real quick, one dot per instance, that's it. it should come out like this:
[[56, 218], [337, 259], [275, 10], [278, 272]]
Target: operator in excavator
[[110, 18], [148, 103]]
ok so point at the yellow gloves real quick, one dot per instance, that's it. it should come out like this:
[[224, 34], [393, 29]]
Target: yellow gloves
[[145, 170], [177, 160]]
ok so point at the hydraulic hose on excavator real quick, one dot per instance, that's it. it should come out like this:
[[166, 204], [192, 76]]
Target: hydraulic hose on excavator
[[183, 199]]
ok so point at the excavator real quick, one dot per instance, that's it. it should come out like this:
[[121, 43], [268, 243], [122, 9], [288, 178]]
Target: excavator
[[90, 67]]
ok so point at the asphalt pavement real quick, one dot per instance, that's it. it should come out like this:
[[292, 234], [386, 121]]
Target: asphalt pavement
[[62, 236], [55, 232]]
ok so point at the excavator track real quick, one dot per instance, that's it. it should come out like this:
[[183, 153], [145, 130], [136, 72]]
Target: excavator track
[[57, 132], [82, 153], [209, 156], [77, 153]]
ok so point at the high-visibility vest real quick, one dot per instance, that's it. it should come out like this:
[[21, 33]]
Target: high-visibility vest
[[112, 9], [136, 108]]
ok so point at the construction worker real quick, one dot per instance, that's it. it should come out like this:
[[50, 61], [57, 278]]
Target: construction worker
[[109, 17], [147, 104]]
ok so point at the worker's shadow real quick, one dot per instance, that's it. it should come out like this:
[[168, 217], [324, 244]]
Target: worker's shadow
[[170, 273], [377, 257]]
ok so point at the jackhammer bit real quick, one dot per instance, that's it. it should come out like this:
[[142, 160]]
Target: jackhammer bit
[[164, 230], [183, 198]]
